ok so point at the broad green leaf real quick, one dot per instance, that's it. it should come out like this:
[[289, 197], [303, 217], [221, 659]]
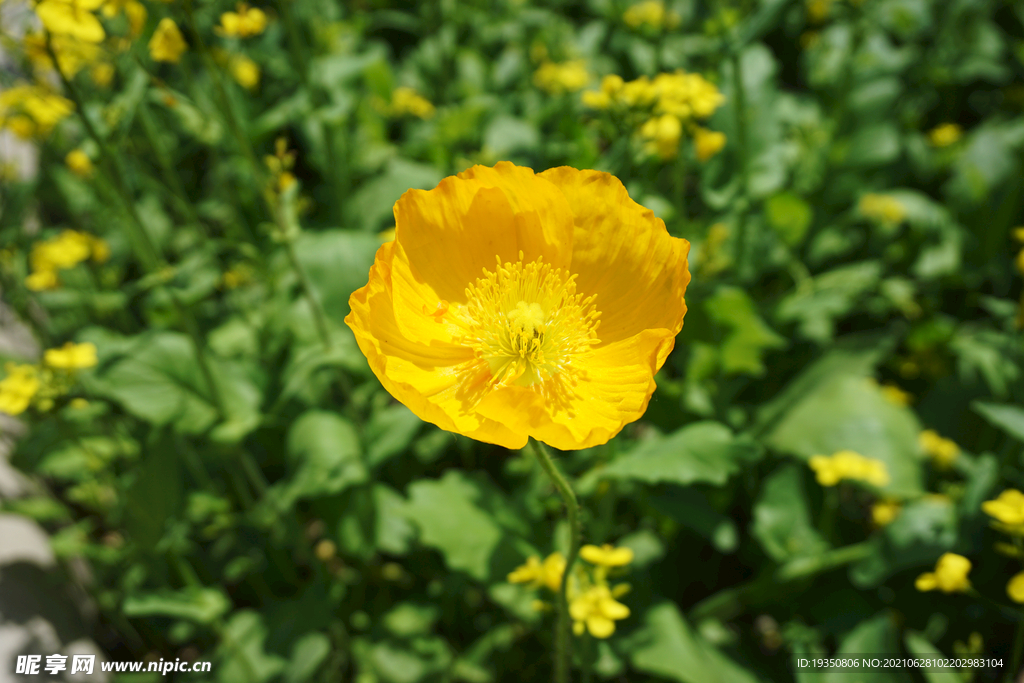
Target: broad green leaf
[[876, 636], [782, 518], [394, 530], [873, 146], [389, 432], [308, 653], [374, 201], [449, 519], [324, 456], [161, 381], [1009, 418], [790, 216], [409, 619], [156, 493], [849, 412], [816, 304], [667, 646], [506, 134], [201, 605], [701, 452], [338, 263], [689, 506], [241, 650], [749, 338], [921, 532], [919, 646]]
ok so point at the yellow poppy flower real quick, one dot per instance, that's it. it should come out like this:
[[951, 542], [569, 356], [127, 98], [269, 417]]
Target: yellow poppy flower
[[950, 575], [607, 555], [943, 451], [514, 305]]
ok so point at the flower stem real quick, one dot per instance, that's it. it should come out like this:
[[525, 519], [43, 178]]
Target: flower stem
[[563, 644], [145, 250]]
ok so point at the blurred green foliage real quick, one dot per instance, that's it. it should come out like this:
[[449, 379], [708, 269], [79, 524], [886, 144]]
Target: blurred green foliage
[[245, 491]]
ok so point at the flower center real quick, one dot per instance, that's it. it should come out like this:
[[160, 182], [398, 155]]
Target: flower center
[[527, 327]]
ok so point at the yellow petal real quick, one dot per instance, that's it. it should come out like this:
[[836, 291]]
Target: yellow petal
[[618, 385], [926, 582], [612, 609], [1015, 588], [600, 627], [451, 233], [645, 288], [420, 375]]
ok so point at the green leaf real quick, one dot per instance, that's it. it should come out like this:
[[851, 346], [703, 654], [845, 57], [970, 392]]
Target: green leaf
[[338, 263], [689, 506], [373, 203], [782, 518], [1009, 418], [308, 653], [389, 432], [409, 619], [394, 530], [160, 381], [790, 215], [701, 452], [156, 493], [242, 654], [849, 412], [749, 338], [923, 530], [667, 646], [919, 646], [816, 304], [449, 520], [506, 134], [873, 146], [324, 456], [875, 636], [201, 605]]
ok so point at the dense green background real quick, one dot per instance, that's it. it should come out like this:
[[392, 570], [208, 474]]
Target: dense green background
[[204, 524]]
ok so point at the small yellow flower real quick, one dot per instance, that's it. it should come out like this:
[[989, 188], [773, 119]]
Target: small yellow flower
[[102, 74], [246, 21], [882, 208], [557, 78], [1015, 588], [662, 134], [32, 110], [78, 403], [245, 71], [72, 53], [1018, 233], [79, 163], [596, 99], [950, 575], [596, 611], [526, 263], [945, 135], [18, 388], [406, 101], [894, 395], [884, 511], [649, 13], [42, 281], [72, 18], [1008, 508], [848, 465], [71, 356], [942, 451], [708, 143], [167, 43], [549, 573], [607, 555]]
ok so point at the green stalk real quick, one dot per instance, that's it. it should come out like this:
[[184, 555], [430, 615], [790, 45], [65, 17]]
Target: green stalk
[[742, 159], [563, 643], [142, 244], [284, 218]]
